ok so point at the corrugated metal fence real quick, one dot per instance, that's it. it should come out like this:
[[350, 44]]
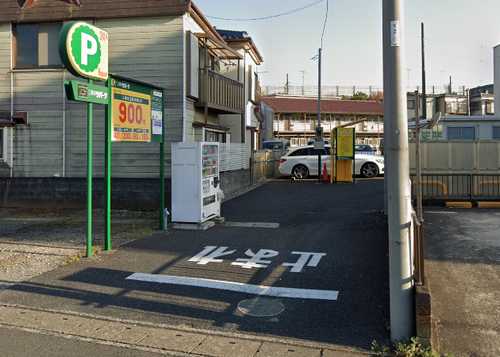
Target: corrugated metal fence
[[458, 157]]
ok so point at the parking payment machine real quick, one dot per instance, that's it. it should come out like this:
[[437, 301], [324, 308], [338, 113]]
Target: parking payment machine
[[195, 182]]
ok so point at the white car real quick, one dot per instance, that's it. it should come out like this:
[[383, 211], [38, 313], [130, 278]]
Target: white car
[[303, 162]]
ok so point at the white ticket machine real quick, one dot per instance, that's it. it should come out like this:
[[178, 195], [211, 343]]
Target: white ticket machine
[[195, 182]]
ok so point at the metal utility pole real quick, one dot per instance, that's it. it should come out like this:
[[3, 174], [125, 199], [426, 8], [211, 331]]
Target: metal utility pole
[[319, 131], [424, 89], [418, 162], [287, 85], [397, 174]]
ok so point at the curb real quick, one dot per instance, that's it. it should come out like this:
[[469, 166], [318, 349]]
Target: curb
[[423, 315]]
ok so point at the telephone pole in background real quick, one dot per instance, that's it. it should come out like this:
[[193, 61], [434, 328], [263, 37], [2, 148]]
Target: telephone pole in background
[[319, 130], [418, 181], [303, 81], [397, 174], [424, 89]]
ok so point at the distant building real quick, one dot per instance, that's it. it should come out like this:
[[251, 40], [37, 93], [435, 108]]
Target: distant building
[[295, 118], [464, 128], [482, 100], [446, 104]]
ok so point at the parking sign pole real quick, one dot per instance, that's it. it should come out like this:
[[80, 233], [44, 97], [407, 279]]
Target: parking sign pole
[[90, 154], [397, 174], [107, 164]]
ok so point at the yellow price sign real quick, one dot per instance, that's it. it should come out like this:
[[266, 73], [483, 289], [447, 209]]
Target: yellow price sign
[[345, 143], [131, 115]]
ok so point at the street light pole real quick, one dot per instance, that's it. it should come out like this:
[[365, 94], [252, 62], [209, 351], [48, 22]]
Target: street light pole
[[424, 84], [397, 174], [418, 162], [319, 133]]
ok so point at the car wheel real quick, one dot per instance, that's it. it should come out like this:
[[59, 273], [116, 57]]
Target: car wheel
[[300, 172], [369, 170]]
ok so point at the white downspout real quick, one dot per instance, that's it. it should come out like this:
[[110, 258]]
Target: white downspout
[[11, 103]]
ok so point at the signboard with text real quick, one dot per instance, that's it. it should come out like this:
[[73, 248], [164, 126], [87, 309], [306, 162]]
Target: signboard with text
[[84, 50], [345, 143], [85, 92], [134, 110], [137, 111]]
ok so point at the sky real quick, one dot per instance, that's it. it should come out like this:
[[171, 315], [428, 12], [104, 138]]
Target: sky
[[460, 36]]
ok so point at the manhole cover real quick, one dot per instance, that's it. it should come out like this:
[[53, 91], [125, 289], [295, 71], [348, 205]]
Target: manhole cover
[[261, 307]]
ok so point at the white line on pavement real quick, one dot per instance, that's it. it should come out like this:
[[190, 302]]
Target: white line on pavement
[[269, 225], [237, 287], [441, 212]]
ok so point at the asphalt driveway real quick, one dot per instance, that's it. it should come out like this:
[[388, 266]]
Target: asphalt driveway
[[329, 239]]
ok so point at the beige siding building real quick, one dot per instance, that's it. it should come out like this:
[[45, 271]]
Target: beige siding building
[[168, 43]]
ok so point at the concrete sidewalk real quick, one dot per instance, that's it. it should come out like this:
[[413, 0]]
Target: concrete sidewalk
[[463, 273], [45, 331], [24, 343]]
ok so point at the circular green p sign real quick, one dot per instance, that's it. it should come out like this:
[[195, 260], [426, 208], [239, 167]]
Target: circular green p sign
[[84, 50]]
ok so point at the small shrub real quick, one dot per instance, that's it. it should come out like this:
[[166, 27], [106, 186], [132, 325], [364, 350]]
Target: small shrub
[[412, 348]]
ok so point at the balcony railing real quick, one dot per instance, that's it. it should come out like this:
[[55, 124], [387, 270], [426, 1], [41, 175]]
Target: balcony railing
[[221, 93]]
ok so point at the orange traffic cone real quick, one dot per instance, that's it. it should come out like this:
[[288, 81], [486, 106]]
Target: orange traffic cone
[[324, 175]]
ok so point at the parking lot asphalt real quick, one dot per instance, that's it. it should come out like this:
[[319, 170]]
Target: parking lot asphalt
[[341, 228]]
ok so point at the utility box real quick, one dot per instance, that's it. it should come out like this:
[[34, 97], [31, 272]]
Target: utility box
[[195, 182]]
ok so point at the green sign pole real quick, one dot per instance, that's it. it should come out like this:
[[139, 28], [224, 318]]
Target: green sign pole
[[107, 218], [90, 154]]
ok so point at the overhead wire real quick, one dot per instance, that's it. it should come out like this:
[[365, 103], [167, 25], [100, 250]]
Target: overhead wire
[[286, 13], [324, 23]]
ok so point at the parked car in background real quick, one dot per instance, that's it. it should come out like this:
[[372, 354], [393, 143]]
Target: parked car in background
[[365, 149], [276, 145], [303, 162]]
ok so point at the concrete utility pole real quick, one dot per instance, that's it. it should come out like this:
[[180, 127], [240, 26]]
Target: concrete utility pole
[[319, 131], [397, 174]]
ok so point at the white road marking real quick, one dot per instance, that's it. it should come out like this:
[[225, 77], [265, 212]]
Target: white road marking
[[268, 225], [309, 258], [210, 254], [237, 287], [440, 212], [256, 260]]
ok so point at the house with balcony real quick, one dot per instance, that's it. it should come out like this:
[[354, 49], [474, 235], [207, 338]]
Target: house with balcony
[[209, 76]]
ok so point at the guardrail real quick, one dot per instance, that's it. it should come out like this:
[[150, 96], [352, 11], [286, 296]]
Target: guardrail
[[459, 186]]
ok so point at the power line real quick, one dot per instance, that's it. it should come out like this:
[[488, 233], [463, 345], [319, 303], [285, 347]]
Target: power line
[[324, 24], [289, 12]]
